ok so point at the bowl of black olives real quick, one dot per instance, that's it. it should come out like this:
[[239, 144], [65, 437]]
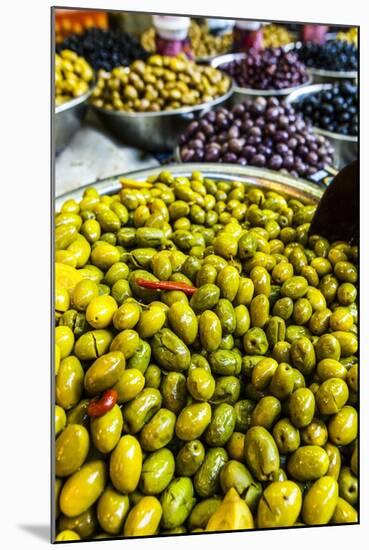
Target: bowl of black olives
[[333, 61], [332, 109]]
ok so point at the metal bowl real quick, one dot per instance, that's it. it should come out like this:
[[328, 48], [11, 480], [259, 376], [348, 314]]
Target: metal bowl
[[345, 147], [270, 180], [322, 76], [68, 119], [155, 132], [240, 94]]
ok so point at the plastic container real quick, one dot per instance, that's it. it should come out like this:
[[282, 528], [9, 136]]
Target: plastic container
[[246, 35], [314, 33], [171, 35], [220, 26]]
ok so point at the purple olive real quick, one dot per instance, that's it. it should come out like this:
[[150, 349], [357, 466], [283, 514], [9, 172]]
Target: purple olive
[[230, 157], [212, 154], [233, 132], [258, 160], [249, 151], [192, 127], [288, 162], [272, 114], [281, 136], [236, 145], [253, 140], [254, 131], [187, 155], [281, 148], [275, 162], [199, 154]]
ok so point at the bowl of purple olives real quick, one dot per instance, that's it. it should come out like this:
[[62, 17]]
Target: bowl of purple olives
[[265, 132], [332, 109], [268, 72]]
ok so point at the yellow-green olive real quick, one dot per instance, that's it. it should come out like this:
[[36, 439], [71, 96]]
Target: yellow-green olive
[[308, 463], [344, 512], [82, 489], [104, 372], [100, 311], [106, 430], [279, 505], [130, 384], [126, 464], [144, 518], [192, 421], [71, 449], [320, 501], [112, 510], [343, 425]]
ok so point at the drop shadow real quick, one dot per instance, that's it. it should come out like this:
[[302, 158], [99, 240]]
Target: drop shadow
[[40, 531]]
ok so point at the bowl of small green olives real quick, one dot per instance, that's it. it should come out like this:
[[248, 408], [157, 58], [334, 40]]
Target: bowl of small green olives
[[206, 365], [147, 105], [74, 80]]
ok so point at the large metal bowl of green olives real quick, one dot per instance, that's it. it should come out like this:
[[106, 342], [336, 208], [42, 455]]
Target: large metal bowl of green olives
[[206, 372]]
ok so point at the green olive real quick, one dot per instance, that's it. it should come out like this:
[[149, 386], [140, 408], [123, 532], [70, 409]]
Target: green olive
[[106, 429], [177, 502], [192, 421], [82, 489], [126, 464], [320, 501], [343, 426], [112, 510], [158, 432], [71, 449], [183, 322], [157, 472], [261, 453], [286, 436], [144, 518], [301, 407], [104, 372], [308, 463], [279, 505]]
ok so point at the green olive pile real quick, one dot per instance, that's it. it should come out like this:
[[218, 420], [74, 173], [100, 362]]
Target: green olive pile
[[203, 43], [73, 76], [236, 406], [161, 84]]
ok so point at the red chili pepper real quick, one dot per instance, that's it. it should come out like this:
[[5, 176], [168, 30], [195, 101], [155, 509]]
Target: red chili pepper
[[167, 285], [101, 405]]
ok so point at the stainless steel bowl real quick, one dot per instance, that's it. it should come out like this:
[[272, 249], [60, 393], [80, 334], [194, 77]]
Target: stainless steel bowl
[[68, 119], [305, 191], [322, 76], [345, 147], [155, 132], [240, 94]]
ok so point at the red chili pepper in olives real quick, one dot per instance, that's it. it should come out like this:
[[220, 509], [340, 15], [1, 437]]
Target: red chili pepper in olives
[[167, 285], [101, 405]]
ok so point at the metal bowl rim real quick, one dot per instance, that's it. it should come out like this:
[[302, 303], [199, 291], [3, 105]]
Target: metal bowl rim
[[181, 111], [323, 72], [307, 190], [74, 102], [254, 91], [311, 90]]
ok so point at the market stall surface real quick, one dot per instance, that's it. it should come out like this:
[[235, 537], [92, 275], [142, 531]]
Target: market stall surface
[[75, 166]]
